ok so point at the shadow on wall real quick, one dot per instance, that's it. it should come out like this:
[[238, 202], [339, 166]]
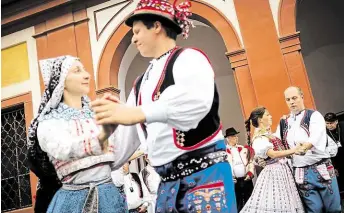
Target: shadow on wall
[[322, 40]]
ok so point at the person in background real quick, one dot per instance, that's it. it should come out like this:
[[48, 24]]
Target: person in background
[[275, 189], [137, 198], [313, 171], [335, 130], [241, 159], [151, 181]]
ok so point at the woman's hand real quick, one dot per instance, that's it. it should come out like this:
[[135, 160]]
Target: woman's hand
[[299, 150]]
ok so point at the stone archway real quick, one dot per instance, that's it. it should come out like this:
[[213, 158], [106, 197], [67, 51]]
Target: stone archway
[[117, 44]]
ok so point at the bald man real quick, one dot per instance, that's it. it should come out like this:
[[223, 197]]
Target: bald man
[[314, 172]]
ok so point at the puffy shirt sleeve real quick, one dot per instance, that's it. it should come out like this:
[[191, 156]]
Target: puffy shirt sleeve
[[261, 145], [56, 139], [125, 140], [184, 104]]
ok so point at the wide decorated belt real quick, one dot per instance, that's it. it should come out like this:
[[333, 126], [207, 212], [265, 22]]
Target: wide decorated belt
[[183, 168]]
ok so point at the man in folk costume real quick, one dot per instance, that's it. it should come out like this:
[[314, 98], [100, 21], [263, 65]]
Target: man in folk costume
[[175, 104], [241, 159], [314, 172]]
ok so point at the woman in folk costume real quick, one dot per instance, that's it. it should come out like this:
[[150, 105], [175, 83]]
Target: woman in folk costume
[[66, 146], [275, 189]]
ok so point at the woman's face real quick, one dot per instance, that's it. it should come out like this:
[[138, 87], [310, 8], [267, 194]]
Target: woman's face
[[266, 120], [78, 80]]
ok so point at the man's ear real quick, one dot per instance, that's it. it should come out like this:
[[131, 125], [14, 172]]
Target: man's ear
[[157, 26]]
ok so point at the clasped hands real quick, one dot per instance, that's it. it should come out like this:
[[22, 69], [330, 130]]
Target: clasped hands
[[300, 149], [110, 110]]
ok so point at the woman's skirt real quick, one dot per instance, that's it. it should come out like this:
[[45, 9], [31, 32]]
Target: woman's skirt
[[73, 201], [274, 192]]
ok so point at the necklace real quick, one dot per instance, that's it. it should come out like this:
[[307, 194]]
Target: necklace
[[337, 131], [160, 57]]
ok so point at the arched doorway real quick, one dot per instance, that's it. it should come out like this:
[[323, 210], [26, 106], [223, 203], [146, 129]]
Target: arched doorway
[[118, 43]]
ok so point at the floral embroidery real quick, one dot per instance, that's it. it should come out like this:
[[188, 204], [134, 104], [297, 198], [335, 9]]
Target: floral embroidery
[[207, 198]]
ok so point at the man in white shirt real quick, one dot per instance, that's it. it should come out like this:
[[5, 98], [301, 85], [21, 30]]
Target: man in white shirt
[[314, 173], [241, 159], [175, 104]]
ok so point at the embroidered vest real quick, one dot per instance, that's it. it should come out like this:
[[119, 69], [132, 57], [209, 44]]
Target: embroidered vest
[[304, 125], [207, 128]]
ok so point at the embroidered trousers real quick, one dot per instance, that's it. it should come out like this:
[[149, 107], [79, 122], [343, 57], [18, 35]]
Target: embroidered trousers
[[208, 190], [320, 195]]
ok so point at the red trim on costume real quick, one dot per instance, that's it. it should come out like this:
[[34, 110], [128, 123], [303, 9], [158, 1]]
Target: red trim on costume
[[250, 174], [87, 141], [251, 150], [63, 164], [239, 148], [199, 144], [162, 76], [207, 186], [228, 151], [111, 148], [78, 133]]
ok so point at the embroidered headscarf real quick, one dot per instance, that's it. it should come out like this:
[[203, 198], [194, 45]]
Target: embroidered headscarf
[[54, 72]]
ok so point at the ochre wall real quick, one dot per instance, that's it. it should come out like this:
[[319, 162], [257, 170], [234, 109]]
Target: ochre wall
[[66, 34], [291, 49], [14, 65], [274, 62]]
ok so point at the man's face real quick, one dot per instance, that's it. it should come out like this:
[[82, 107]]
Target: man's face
[[294, 100], [233, 140], [144, 38], [331, 125]]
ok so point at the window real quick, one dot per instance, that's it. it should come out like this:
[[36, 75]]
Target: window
[[15, 173]]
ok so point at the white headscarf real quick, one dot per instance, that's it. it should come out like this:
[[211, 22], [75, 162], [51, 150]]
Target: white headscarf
[[54, 72]]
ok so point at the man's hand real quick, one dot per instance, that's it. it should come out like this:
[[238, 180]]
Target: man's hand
[[300, 150], [235, 180], [111, 112], [143, 208]]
